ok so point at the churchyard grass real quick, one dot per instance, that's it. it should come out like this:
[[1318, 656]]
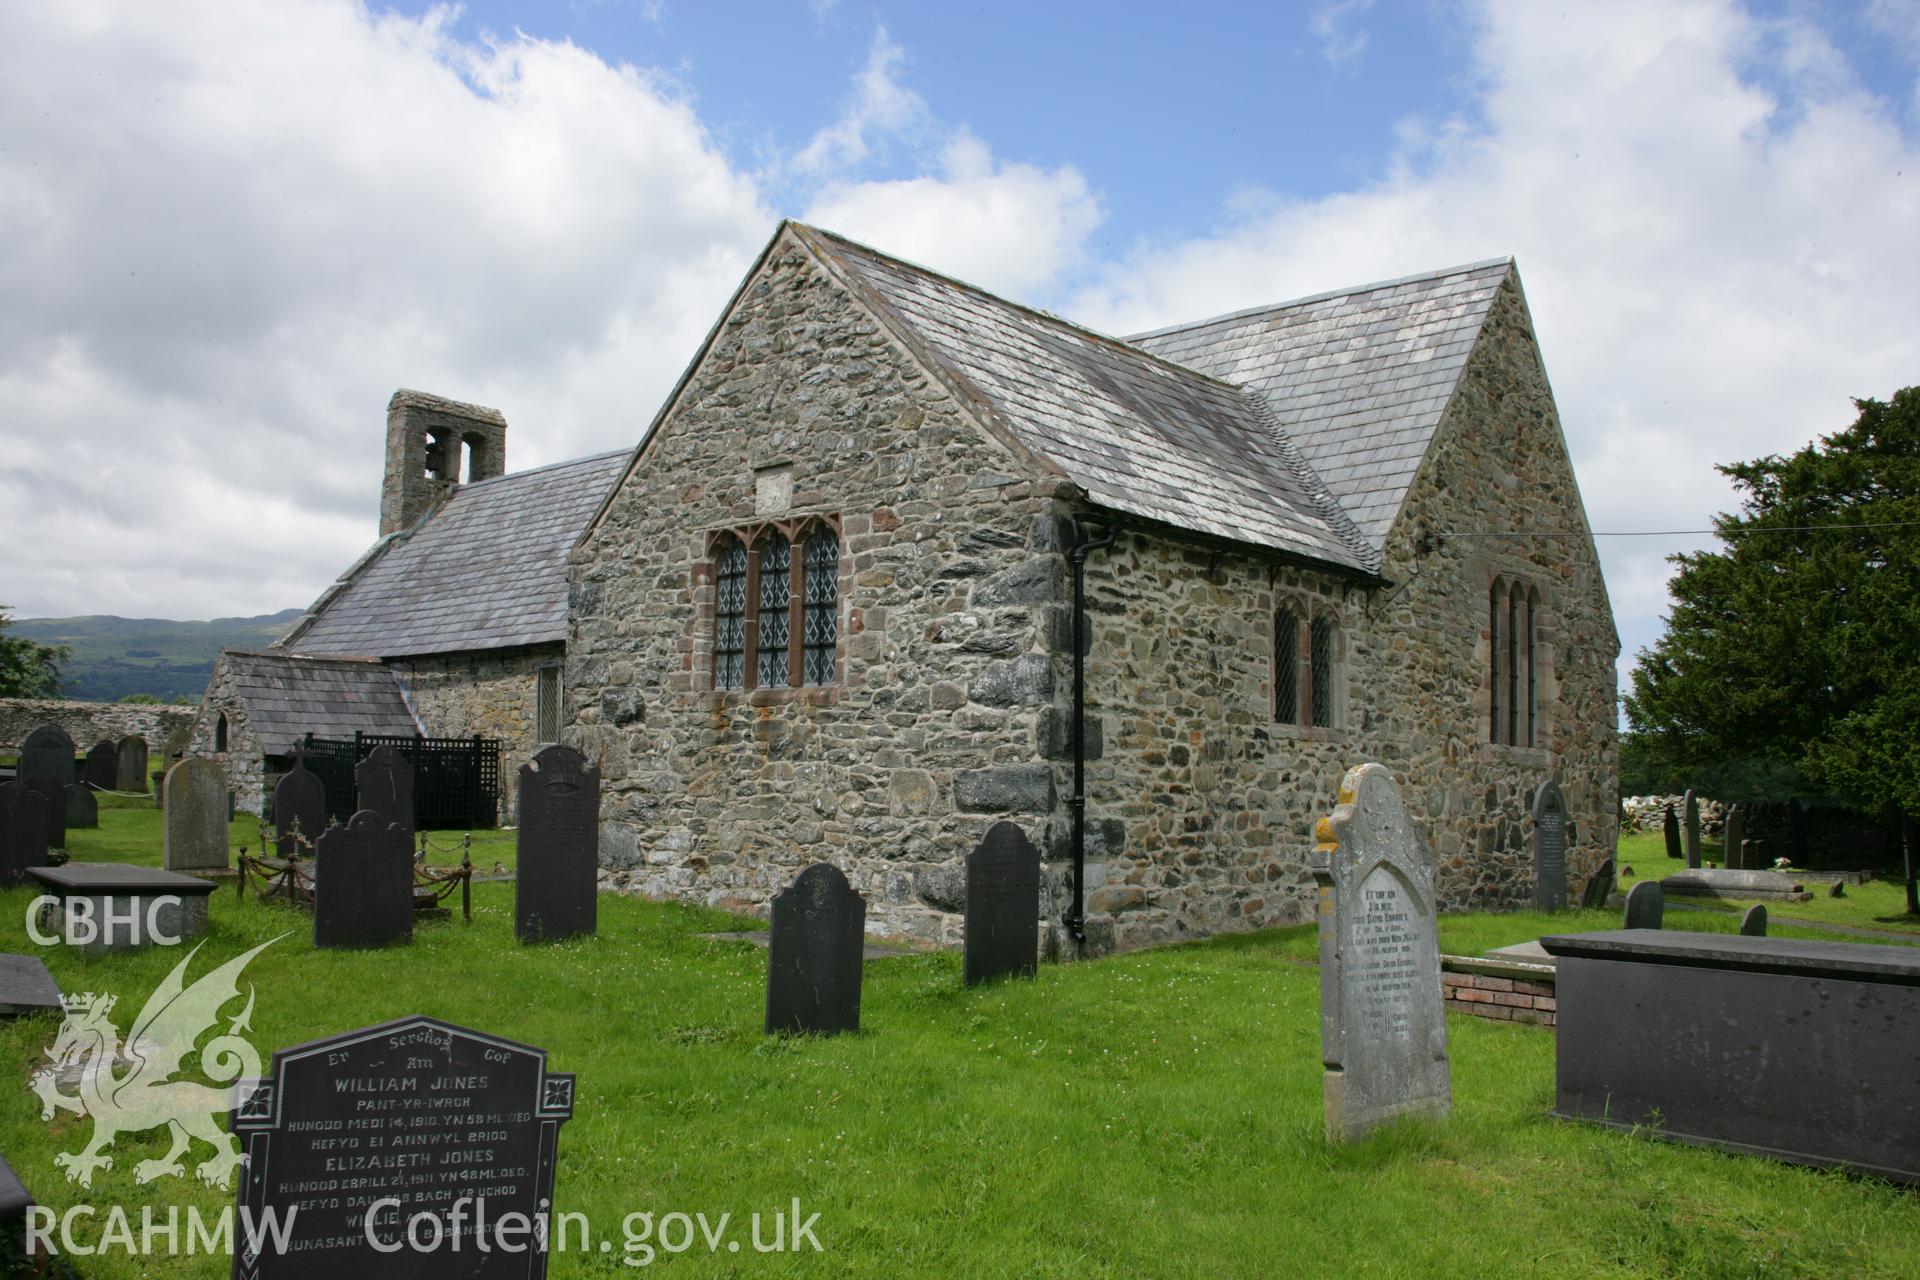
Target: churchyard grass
[[1879, 904], [1152, 1114]]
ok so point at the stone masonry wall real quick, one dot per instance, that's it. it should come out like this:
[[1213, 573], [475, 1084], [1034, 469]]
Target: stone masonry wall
[[88, 722], [244, 761], [950, 591], [489, 694]]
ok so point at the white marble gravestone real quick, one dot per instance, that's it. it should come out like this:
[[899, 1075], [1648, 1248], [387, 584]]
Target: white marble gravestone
[[1383, 1033]]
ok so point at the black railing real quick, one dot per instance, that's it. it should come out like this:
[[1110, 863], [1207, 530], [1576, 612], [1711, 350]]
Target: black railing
[[456, 781]]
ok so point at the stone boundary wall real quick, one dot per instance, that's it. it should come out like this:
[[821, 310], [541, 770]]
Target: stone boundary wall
[[1499, 992], [88, 722]]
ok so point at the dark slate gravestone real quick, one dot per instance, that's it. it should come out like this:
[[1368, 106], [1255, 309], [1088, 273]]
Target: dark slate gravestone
[[103, 766], [130, 764], [1754, 923], [53, 814], [47, 751], [15, 1200], [1691, 822], [1646, 906], [1599, 888], [814, 954], [419, 1111], [363, 884], [27, 987], [82, 809], [1733, 840], [556, 885], [1549, 848], [1671, 826], [383, 782], [1383, 1034], [23, 832], [299, 805], [1003, 906]]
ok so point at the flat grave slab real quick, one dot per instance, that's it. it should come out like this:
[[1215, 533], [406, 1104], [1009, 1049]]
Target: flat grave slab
[[108, 906], [1532, 952], [1725, 883], [14, 1198], [27, 987]]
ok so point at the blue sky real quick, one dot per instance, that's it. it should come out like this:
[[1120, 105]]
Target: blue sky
[[228, 231]]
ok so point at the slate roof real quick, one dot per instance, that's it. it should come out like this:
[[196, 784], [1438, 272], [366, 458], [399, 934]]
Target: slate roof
[[1357, 379], [1139, 434], [287, 696], [487, 569]]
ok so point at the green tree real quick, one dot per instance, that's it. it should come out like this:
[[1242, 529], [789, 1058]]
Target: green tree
[[28, 669], [1791, 662]]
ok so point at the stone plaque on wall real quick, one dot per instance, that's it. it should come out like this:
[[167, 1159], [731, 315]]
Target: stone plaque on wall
[[1383, 1034], [556, 883], [1549, 847], [1003, 906], [418, 1111]]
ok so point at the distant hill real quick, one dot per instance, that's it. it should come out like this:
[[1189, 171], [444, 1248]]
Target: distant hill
[[113, 657]]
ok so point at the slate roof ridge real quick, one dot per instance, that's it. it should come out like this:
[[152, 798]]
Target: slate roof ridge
[[1330, 510], [283, 655], [1326, 295], [1123, 345], [580, 461]]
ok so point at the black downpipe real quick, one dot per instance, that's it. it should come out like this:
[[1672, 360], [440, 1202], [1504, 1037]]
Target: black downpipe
[[1077, 556]]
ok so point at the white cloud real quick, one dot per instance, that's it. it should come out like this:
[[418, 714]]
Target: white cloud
[[1340, 44], [1714, 222], [881, 109]]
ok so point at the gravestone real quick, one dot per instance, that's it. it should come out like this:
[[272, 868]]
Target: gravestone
[[383, 782], [1383, 1035], [1754, 923], [1733, 840], [23, 832], [556, 884], [363, 884], [299, 805], [27, 987], [1003, 906], [1549, 848], [1599, 887], [419, 1111], [1646, 906], [53, 813], [194, 827], [103, 766], [1692, 825], [1671, 827], [814, 954], [82, 809], [48, 751], [130, 764]]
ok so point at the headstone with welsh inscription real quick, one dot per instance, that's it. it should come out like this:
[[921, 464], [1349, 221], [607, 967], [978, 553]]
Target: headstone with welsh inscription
[[299, 809], [23, 832], [556, 882], [103, 766], [1733, 840], [447, 1121], [48, 752], [1646, 906], [130, 764], [1670, 825], [1003, 906], [383, 782], [54, 812], [1383, 1034], [1691, 821], [1549, 848], [82, 809], [814, 954], [363, 884], [1754, 923], [194, 828], [1599, 887]]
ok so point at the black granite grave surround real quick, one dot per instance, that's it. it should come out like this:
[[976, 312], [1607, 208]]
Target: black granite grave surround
[[417, 1110], [1783, 1047]]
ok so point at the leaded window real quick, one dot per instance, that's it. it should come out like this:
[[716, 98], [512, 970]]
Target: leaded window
[[1286, 667], [776, 593], [546, 705], [822, 589], [730, 616], [1322, 673]]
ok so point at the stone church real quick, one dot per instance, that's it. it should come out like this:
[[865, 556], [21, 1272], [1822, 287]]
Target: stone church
[[827, 609]]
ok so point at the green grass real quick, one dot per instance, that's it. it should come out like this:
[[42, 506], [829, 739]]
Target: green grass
[[1878, 904], [1154, 1114]]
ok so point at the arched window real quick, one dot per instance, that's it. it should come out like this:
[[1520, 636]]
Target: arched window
[[822, 594], [1513, 667], [1286, 667], [1533, 695], [220, 733], [1322, 672], [1496, 646], [776, 594], [730, 615]]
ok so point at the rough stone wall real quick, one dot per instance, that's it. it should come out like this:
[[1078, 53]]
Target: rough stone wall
[[491, 694], [950, 591], [88, 722], [244, 761]]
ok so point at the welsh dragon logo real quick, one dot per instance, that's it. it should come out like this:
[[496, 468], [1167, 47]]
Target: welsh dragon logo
[[144, 1095]]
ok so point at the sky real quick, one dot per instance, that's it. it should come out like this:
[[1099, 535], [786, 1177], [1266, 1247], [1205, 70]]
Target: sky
[[229, 231]]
